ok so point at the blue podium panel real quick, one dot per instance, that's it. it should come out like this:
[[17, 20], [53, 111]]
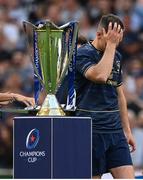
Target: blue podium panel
[[52, 147], [72, 148], [32, 148]]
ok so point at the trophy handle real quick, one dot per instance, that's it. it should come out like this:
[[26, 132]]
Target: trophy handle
[[75, 32], [33, 64]]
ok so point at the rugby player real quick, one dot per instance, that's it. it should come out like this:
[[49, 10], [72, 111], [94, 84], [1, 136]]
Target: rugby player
[[100, 96]]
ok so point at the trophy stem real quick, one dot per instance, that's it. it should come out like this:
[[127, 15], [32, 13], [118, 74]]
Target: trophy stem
[[51, 107]]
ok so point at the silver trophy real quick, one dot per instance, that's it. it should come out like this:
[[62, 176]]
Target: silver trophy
[[52, 49]]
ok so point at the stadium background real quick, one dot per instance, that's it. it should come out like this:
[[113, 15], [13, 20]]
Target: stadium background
[[16, 72]]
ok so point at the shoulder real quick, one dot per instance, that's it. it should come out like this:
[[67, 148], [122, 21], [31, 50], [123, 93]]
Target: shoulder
[[86, 57], [86, 50]]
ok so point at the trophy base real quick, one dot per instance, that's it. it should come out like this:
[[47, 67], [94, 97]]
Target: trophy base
[[51, 107]]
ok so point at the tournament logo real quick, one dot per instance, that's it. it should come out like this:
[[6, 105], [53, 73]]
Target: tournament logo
[[32, 139]]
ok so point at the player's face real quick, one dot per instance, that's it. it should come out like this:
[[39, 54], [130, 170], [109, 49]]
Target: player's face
[[103, 42]]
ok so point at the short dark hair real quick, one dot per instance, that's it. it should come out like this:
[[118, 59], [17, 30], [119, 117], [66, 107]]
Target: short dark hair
[[106, 19], [81, 40]]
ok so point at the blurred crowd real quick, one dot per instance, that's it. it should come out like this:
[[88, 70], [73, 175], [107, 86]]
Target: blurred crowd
[[16, 71]]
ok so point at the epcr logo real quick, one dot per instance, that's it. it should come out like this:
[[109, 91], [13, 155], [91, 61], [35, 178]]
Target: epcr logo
[[32, 139]]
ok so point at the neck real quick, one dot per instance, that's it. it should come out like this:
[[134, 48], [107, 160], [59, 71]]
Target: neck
[[96, 43]]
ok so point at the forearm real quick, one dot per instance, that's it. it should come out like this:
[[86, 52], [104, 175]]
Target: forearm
[[6, 97], [124, 115], [102, 70], [104, 67], [124, 112]]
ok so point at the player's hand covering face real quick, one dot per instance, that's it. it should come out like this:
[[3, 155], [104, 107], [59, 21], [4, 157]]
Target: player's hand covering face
[[114, 34]]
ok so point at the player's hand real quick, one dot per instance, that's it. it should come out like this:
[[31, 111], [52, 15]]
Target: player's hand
[[131, 141], [4, 103], [28, 101], [114, 33]]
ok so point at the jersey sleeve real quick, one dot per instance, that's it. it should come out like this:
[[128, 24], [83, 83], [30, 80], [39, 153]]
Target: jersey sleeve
[[84, 62]]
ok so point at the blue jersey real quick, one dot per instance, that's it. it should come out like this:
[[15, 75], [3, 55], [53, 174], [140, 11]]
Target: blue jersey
[[96, 100]]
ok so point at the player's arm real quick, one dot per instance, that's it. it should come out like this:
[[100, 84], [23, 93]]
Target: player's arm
[[101, 71], [124, 116], [6, 98]]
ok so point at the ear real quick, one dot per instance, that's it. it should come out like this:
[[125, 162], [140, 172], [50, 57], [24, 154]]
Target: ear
[[99, 35]]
